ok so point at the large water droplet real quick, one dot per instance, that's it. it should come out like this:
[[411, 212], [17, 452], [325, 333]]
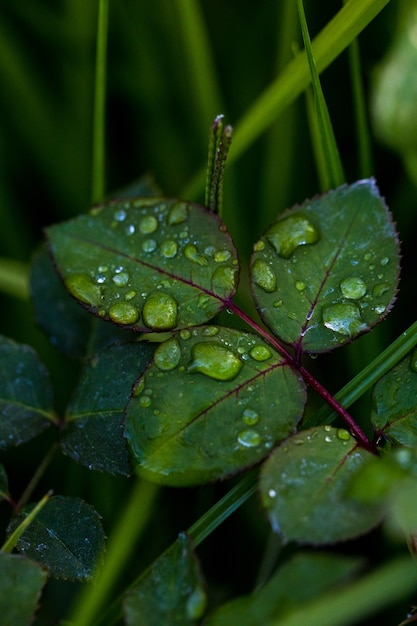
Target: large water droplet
[[289, 233], [343, 318], [215, 361], [121, 280], [260, 353], [123, 313], [220, 256], [191, 253], [160, 311], [196, 603], [149, 245], [83, 288], [343, 434], [169, 248], [263, 276], [148, 224], [178, 213], [249, 438], [250, 417], [167, 355], [353, 288], [224, 278]]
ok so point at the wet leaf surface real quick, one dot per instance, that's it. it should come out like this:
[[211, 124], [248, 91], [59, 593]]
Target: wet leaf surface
[[21, 583], [150, 264], [303, 488], [25, 394], [327, 270], [213, 401]]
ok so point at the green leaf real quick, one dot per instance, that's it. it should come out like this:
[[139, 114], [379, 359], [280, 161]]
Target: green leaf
[[213, 401], [66, 537], [25, 394], [4, 484], [394, 411], [21, 583], [327, 270], [170, 592], [147, 264], [301, 579], [93, 435], [303, 488]]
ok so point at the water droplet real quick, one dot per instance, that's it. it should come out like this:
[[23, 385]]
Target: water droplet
[[327, 428], [264, 276], [220, 256], [196, 603], [260, 353], [380, 289], [272, 493], [160, 311], [145, 401], [353, 288], [379, 308], [210, 331], [121, 279], [328, 439], [119, 215], [130, 230], [149, 245], [191, 253], [249, 438], [215, 361], [259, 246], [103, 268], [384, 260], [167, 355], [130, 295], [277, 304], [224, 278], [148, 224], [178, 213], [289, 233], [299, 285], [83, 288], [343, 434], [101, 279], [203, 301], [343, 318], [250, 417], [169, 248], [123, 313]]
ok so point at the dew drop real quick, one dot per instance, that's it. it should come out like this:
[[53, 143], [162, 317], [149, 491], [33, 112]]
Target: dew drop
[[277, 304], [299, 285], [380, 289], [167, 355], [264, 276], [191, 253], [249, 438], [123, 313], [160, 311], [203, 301], [145, 401], [148, 224], [119, 215], [250, 417], [83, 288], [384, 261], [196, 603], [178, 213], [343, 434], [220, 256], [260, 353], [272, 493], [210, 331], [121, 280], [130, 295], [169, 248], [215, 361], [353, 288], [328, 439], [149, 245], [327, 428], [343, 318], [259, 246], [289, 233], [224, 278], [185, 334]]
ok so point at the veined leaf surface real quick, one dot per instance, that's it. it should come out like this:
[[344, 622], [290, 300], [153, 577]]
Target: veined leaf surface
[[327, 270], [213, 401], [147, 264]]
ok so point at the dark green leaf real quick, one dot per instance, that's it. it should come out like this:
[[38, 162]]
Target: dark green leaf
[[394, 410], [171, 592], [66, 537], [150, 264], [301, 579], [93, 435], [21, 583], [4, 484], [303, 488], [213, 401], [327, 270], [25, 394]]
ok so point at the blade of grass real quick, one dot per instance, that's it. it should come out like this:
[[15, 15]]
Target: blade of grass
[[11, 541], [14, 278]]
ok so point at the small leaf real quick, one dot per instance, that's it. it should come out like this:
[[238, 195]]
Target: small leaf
[[25, 394], [301, 579], [327, 271], [394, 411], [213, 401], [303, 485], [66, 537], [170, 592], [150, 264], [93, 435], [21, 583]]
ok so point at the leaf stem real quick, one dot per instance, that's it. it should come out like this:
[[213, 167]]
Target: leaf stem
[[219, 144], [36, 477], [11, 542]]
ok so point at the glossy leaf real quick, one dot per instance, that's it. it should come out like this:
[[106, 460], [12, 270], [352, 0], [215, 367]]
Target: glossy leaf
[[25, 394], [93, 435], [394, 410], [327, 270], [150, 264], [301, 579], [170, 592], [21, 583], [303, 488], [66, 537], [214, 401]]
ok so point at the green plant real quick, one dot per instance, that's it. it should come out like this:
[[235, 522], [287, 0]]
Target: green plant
[[163, 394]]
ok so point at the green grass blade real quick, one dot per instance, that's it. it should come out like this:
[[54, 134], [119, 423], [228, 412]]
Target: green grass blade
[[14, 278]]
